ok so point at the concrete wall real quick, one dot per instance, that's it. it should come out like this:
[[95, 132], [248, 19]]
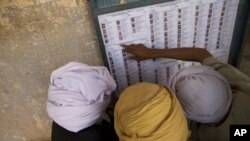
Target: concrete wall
[[36, 37]]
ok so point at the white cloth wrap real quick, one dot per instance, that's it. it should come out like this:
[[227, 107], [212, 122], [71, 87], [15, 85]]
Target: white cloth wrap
[[78, 95], [205, 94]]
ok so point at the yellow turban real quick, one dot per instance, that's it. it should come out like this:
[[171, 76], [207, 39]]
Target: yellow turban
[[149, 112]]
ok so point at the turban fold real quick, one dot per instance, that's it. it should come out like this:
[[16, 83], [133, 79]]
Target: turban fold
[[204, 94], [78, 95], [149, 112]]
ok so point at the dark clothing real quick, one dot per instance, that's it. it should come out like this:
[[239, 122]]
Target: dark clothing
[[239, 112], [102, 132]]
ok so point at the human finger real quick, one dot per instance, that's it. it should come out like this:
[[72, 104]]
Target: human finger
[[131, 46], [123, 45], [134, 58], [129, 50], [127, 46]]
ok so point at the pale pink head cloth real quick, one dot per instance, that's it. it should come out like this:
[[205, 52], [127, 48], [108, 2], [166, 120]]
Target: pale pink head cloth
[[204, 94], [78, 95]]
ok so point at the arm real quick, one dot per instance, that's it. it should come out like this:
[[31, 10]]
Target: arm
[[233, 75], [140, 52]]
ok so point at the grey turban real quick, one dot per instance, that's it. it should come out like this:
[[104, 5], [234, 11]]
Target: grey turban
[[78, 95], [205, 94]]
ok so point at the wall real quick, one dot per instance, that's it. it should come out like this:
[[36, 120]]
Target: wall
[[245, 53], [36, 37]]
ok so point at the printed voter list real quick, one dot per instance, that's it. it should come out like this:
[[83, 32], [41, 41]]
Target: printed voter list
[[182, 23]]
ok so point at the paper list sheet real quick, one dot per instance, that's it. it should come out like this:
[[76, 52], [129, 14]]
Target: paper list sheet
[[182, 23]]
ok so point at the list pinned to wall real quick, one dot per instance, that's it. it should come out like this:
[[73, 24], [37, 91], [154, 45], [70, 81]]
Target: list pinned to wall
[[182, 23]]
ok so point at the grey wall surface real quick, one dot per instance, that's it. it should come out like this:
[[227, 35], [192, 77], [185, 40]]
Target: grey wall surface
[[244, 63], [36, 37]]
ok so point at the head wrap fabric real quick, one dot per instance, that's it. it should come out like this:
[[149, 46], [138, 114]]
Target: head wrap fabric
[[149, 112], [78, 95], [204, 94]]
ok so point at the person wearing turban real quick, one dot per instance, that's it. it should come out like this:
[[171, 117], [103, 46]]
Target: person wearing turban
[[213, 95], [78, 96], [149, 112], [204, 93]]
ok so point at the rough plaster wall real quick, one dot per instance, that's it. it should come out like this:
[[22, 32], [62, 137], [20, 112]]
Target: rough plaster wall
[[36, 37], [245, 55]]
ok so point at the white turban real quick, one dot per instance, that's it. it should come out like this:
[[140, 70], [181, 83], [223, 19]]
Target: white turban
[[204, 94], [78, 95]]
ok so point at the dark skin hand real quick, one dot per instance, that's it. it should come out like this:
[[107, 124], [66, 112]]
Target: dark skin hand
[[140, 53]]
